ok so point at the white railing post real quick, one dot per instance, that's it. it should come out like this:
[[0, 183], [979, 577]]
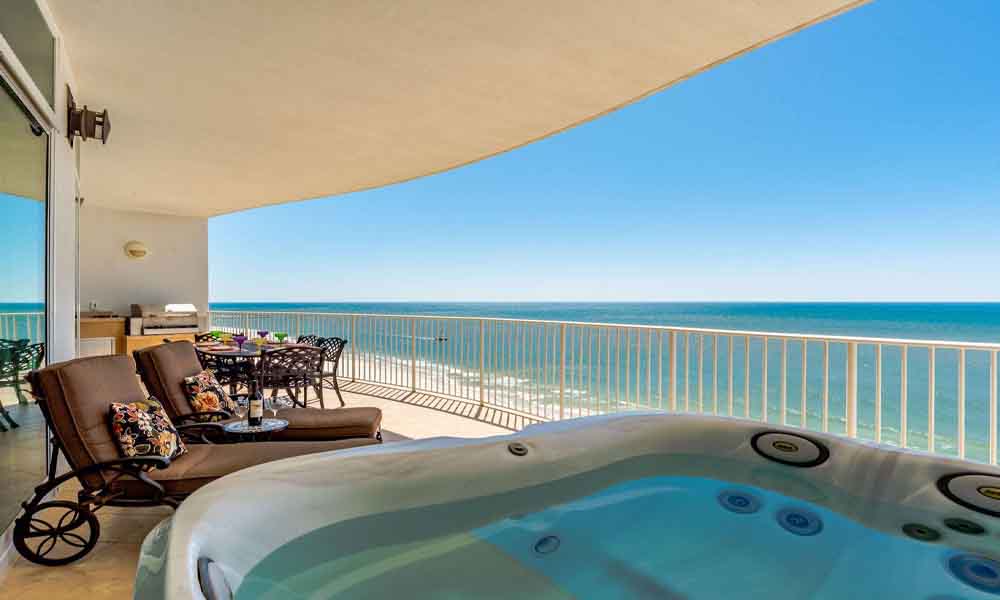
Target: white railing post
[[961, 403], [803, 400], [878, 392], [852, 389], [672, 339], [746, 377], [729, 376], [763, 381], [931, 386], [413, 354], [354, 350], [482, 362], [993, 408], [784, 381], [298, 326], [562, 367], [903, 392]]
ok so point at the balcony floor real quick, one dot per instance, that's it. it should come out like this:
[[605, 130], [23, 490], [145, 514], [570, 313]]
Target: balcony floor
[[108, 571]]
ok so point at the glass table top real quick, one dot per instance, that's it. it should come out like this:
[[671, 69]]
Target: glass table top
[[266, 425]]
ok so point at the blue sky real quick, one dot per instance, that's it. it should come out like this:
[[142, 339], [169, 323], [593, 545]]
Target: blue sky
[[22, 269], [857, 160]]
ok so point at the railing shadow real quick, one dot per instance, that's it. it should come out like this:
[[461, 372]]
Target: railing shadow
[[491, 415]]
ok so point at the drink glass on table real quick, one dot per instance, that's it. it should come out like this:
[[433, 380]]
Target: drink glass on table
[[280, 335], [240, 339], [241, 409]]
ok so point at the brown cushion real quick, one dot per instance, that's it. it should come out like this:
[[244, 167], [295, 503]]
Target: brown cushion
[[77, 394], [204, 463], [143, 429], [329, 424], [163, 369]]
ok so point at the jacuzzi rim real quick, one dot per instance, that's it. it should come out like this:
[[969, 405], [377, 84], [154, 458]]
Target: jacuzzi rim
[[942, 486], [824, 451]]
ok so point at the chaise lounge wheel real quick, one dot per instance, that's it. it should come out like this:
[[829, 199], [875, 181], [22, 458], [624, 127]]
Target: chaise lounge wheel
[[56, 533]]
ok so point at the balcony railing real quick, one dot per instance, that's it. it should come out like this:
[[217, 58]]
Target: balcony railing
[[938, 396], [22, 326]]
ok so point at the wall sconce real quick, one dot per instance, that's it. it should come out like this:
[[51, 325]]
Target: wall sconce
[[136, 250], [86, 123]]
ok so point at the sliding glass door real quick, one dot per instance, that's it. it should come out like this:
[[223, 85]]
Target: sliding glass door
[[23, 195]]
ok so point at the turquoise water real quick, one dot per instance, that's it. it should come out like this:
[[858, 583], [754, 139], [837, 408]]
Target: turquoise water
[[978, 322], [663, 537]]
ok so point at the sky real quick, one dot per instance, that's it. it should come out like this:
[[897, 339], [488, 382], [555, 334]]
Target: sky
[[22, 271], [856, 160]]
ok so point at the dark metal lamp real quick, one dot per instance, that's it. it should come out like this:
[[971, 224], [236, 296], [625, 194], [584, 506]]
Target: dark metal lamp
[[85, 123]]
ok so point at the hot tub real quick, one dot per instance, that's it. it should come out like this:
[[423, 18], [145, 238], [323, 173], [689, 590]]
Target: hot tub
[[643, 505]]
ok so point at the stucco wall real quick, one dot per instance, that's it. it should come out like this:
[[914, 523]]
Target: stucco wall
[[176, 269]]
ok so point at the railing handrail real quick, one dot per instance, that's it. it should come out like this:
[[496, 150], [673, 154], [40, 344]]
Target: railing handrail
[[812, 337], [38, 313]]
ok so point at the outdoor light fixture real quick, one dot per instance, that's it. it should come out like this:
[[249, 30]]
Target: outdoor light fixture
[[86, 123]]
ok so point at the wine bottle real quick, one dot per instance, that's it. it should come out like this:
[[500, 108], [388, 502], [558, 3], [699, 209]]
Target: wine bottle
[[255, 415]]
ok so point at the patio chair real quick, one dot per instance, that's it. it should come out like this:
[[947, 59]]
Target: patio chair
[[163, 369], [332, 347], [9, 377], [293, 369], [17, 358], [75, 398], [308, 339]]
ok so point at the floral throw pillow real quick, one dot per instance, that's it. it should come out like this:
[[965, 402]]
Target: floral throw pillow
[[205, 393], [144, 430]]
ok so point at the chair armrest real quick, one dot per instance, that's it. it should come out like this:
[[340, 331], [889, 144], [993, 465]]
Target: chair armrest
[[147, 460], [196, 432], [133, 466]]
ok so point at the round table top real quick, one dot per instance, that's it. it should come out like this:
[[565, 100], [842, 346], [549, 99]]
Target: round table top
[[266, 426], [249, 350]]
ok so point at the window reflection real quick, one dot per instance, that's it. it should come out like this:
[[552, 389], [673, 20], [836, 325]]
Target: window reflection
[[25, 29]]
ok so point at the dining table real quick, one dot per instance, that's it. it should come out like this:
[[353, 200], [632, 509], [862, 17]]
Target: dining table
[[241, 364]]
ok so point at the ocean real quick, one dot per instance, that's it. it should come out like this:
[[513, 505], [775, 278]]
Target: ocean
[[973, 322], [968, 322]]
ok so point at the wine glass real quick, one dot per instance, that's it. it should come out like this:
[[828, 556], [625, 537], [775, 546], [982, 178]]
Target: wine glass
[[216, 334], [280, 335], [262, 333], [272, 406], [240, 339], [241, 410], [226, 338]]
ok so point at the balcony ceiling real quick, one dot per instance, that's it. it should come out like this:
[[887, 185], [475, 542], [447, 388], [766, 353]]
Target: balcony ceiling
[[227, 105]]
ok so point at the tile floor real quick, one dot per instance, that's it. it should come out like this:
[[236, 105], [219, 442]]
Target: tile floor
[[107, 572]]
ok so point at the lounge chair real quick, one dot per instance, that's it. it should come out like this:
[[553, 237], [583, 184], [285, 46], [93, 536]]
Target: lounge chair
[[163, 369], [75, 398]]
